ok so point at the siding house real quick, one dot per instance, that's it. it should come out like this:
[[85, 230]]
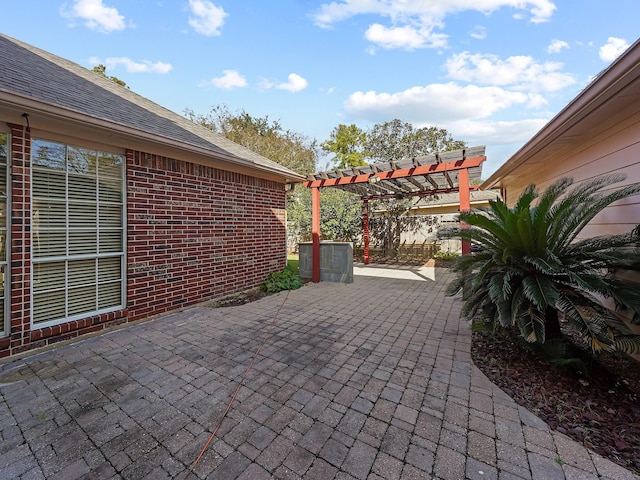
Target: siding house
[[113, 208], [597, 133]]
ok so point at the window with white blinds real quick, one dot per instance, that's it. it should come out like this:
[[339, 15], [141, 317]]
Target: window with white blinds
[[77, 232], [4, 156]]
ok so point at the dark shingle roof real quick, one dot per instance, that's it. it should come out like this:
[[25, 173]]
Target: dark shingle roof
[[38, 75]]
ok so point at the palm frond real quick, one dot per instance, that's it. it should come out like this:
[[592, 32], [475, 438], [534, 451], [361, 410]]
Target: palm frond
[[528, 195], [591, 319], [542, 213], [504, 313], [531, 323], [547, 266], [540, 291], [628, 344]]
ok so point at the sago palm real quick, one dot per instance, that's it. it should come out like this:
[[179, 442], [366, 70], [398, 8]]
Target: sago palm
[[529, 265]]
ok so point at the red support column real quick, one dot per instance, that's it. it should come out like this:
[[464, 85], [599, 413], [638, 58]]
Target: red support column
[[465, 203], [365, 230], [315, 234]]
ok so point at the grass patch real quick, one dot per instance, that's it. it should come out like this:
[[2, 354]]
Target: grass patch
[[293, 263]]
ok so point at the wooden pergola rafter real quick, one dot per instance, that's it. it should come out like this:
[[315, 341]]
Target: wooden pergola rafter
[[444, 172]]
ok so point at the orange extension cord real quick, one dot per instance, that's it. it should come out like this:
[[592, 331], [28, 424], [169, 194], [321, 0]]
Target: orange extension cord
[[235, 393]]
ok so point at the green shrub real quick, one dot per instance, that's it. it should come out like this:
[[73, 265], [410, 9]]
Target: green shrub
[[441, 255], [284, 280]]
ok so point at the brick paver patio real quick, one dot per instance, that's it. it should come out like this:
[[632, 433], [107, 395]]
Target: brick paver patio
[[371, 380]]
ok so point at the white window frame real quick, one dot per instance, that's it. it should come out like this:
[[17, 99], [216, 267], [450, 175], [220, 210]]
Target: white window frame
[[67, 257]]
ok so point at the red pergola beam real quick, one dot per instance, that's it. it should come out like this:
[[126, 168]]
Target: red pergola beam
[[315, 235], [465, 204], [422, 193], [402, 173]]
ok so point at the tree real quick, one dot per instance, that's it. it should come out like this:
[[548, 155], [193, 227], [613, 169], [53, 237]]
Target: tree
[[530, 266], [396, 139], [102, 71], [340, 215], [347, 142], [263, 136], [391, 220]]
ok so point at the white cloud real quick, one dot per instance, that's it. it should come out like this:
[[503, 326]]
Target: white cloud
[[437, 103], [407, 37], [145, 66], [229, 79], [556, 46], [95, 15], [501, 132], [520, 72], [464, 111], [612, 49], [413, 23], [294, 84], [207, 18], [479, 32]]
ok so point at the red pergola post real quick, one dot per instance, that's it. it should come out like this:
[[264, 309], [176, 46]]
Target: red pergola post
[[365, 230], [315, 234], [465, 203]]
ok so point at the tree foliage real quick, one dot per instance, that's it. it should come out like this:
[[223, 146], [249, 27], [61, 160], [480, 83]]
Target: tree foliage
[[530, 265], [102, 71], [341, 212], [263, 136], [397, 139], [340, 215], [347, 143]]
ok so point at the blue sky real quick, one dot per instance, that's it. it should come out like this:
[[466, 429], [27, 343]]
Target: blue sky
[[492, 72]]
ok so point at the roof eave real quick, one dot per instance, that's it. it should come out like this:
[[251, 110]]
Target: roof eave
[[136, 137]]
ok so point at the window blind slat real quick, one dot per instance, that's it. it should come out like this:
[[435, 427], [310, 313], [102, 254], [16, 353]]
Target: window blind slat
[[48, 306], [110, 241], [49, 243], [47, 276], [81, 300], [83, 242], [82, 188], [110, 216], [77, 211], [49, 183], [109, 269], [81, 272], [48, 214], [82, 215], [109, 294]]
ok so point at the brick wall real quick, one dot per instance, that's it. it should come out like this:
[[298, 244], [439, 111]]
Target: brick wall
[[18, 278], [197, 232], [194, 233]]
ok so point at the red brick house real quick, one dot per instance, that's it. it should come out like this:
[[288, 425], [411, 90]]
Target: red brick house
[[113, 208]]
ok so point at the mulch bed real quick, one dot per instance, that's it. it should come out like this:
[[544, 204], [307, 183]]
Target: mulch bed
[[597, 407], [238, 298]]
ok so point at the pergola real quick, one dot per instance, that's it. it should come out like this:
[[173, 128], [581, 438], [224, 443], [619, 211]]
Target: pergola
[[445, 172]]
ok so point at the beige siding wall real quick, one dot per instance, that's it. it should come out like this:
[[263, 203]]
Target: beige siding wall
[[615, 150]]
